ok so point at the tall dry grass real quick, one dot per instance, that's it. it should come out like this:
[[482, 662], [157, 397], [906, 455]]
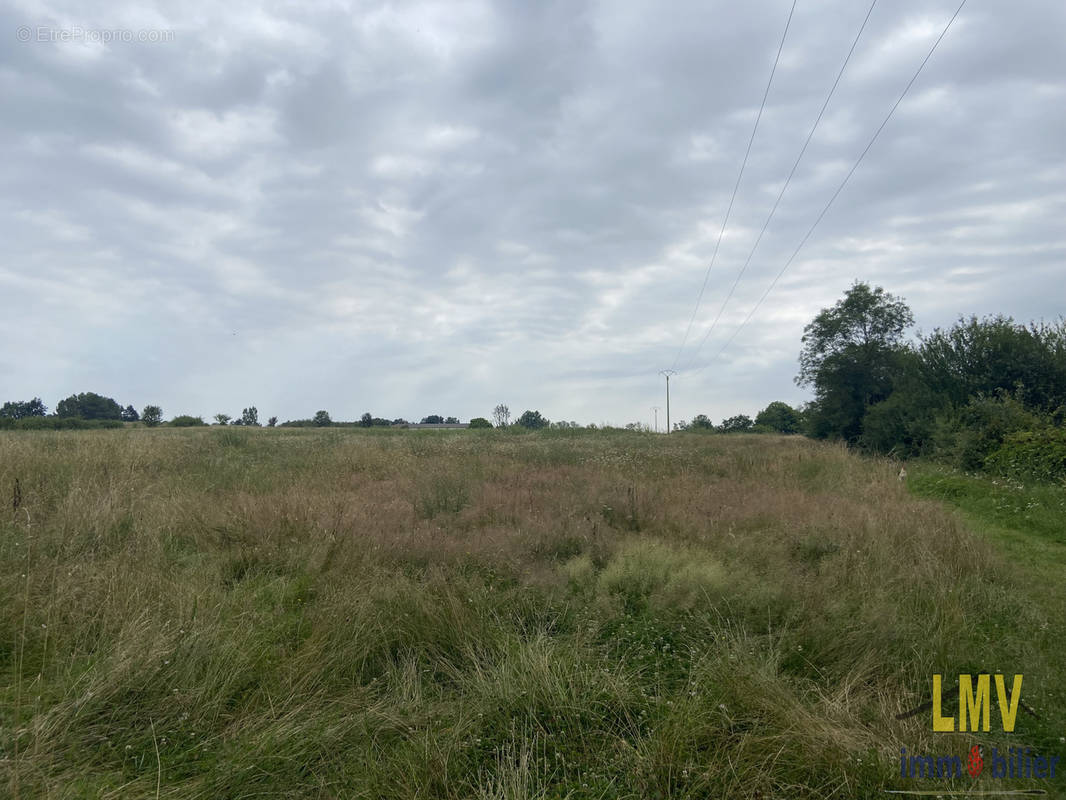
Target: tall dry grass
[[423, 614]]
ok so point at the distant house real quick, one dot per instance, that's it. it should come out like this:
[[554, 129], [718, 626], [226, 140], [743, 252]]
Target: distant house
[[437, 425]]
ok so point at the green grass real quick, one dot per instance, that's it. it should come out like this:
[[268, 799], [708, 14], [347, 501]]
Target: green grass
[[335, 614], [1027, 524]]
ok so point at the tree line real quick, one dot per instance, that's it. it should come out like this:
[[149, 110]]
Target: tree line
[[92, 410], [85, 410], [986, 394]]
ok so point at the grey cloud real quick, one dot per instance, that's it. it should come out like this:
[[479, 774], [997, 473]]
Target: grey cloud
[[428, 207]]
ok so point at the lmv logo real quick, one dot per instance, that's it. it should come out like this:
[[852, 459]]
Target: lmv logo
[[975, 703]]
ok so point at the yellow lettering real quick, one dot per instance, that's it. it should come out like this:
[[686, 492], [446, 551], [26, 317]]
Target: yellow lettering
[[973, 705], [940, 723], [1009, 712]]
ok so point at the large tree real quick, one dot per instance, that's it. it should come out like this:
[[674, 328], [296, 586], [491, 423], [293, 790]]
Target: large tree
[[89, 405], [982, 357], [741, 423], [851, 353], [779, 417]]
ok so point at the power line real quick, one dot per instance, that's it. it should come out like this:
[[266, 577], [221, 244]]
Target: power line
[[784, 188], [736, 186], [839, 189]]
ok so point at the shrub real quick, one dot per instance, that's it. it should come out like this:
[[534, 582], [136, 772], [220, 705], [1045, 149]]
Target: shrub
[[480, 422], [967, 436], [187, 421], [899, 424], [440, 493], [1037, 455]]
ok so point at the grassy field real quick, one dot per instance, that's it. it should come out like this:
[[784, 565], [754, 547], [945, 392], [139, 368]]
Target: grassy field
[[230, 613]]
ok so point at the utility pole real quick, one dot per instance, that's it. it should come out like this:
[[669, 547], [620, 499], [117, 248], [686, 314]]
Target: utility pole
[[656, 410], [667, 373]]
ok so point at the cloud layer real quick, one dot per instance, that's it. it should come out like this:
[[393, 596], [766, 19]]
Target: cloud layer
[[415, 208]]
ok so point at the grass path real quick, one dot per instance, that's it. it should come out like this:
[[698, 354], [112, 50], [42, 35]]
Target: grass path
[[1027, 524]]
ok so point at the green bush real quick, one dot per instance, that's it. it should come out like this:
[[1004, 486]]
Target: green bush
[[967, 436], [480, 422], [1039, 455], [187, 421], [902, 424]]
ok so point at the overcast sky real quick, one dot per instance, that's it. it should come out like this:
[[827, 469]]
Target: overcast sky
[[416, 208]]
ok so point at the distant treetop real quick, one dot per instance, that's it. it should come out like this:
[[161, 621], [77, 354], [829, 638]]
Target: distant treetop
[[89, 405], [533, 420], [16, 409]]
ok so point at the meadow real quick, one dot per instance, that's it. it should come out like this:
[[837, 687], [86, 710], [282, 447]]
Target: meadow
[[316, 613]]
